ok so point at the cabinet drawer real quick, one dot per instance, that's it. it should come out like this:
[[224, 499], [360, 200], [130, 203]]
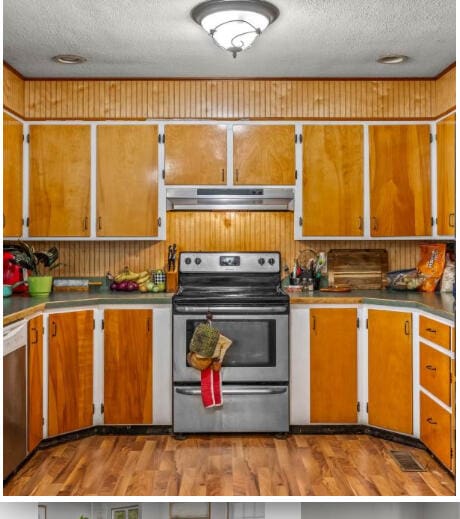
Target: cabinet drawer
[[435, 373], [435, 331], [435, 429]]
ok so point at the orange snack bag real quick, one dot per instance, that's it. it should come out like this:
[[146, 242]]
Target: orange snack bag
[[431, 265]]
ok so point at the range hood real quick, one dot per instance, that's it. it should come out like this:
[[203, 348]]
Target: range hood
[[230, 199]]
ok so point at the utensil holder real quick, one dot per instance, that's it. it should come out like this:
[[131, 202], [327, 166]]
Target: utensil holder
[[172, 281]]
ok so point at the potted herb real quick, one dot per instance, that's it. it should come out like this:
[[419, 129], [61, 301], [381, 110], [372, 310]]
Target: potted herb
[[38, 263]]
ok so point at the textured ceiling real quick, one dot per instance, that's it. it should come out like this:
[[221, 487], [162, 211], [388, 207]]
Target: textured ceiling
[[158, 38]]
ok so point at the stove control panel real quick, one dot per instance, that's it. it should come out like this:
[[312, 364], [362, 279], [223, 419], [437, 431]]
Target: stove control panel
[[244, 262]]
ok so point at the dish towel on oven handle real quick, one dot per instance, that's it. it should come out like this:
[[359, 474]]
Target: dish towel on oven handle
[[211, 388]]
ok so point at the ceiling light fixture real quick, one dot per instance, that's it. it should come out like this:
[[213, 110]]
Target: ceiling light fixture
[[235, 24], [393, 59], [69, 59]]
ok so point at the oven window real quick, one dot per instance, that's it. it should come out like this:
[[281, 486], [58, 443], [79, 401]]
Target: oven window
[[253, 341]]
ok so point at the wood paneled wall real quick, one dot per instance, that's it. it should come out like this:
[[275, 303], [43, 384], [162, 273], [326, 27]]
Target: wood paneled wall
[[13, 91], [445, 92], [211, 231]]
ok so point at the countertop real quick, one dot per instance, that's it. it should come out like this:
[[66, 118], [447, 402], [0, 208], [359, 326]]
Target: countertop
[[18, 306]]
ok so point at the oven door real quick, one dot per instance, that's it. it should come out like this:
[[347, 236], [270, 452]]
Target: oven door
[[259, 352]]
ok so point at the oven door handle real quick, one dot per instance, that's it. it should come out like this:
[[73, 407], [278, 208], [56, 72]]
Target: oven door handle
[[238, 309], [235, 391]]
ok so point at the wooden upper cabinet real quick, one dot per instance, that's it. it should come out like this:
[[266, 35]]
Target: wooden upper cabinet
[[263, 155], [12, 176], [445, 140], [332, 177], [333, 365], [195, 154], [59, 181], [400, 190], [70, 371], [35, 382], [390, 370], [127, 180], [128, 367]]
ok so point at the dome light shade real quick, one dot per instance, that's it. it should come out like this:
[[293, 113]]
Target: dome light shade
[[235, 25]]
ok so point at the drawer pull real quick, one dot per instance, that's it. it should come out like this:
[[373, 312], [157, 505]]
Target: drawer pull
[[406, 327], [431, 330], [431, 421], [430, 367]]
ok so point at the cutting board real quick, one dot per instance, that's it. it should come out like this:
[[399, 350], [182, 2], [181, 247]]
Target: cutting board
[[359, 268]]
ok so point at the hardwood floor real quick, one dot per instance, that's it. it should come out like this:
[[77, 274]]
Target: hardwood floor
[[225, 466]]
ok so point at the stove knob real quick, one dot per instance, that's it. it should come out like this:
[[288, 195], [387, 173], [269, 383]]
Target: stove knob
[[197, 261], [271, 261], [188, 261], [261, 261]]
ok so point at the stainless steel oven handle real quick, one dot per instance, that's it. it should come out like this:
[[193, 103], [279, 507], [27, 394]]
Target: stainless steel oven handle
[[240, 309], [255, 391]]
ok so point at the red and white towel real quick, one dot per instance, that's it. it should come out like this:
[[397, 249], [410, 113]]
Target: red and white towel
[[211, 387]]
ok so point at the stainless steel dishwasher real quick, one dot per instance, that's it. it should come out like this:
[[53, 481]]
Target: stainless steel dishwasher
[[14, 396]]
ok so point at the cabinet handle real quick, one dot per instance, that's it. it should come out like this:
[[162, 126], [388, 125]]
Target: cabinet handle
[[313, 318], [430, 367], [451, 219], [54, 326], [35, 340], [360, 223], [431, 330], [237, 173], [374, 223], [431, 421], [148, 325], [99, 223], [85, 223], [406, 328], [223, 175]]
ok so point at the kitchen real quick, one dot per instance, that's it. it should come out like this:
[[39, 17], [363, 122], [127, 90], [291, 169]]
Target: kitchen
[[321, 391]]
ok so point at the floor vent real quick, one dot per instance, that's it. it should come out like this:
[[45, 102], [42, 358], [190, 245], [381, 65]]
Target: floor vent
[[407, 462]]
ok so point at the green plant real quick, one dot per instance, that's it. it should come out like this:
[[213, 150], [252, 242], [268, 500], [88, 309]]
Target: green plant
[[39, 263]]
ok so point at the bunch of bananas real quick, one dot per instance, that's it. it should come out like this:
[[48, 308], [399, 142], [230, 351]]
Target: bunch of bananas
[[128, 275]]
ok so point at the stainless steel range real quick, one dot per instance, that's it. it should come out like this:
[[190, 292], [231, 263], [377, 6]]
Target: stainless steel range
[[242, 293]]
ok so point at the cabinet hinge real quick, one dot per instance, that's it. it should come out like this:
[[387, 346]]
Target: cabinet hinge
[[27, 221], [102, 408], [432, 221], [163, 174], [159, 221], [94, 408], [367, 407], [295, 138], [159, 138], [431, 137], [451, 452], [300, 221], [300, 138], [102, 324], [358, 407], [295, 174], [163, 138], [28, 138], [367, 324], [357, 322], [43, 421], [94, 324]]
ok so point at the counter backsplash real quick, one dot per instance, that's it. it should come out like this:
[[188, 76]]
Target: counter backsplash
[[238, 231]]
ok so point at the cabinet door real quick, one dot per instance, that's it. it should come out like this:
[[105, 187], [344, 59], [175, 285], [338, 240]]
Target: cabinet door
[[263, 155], [12, 176], [333, 365], [400, 180], [127, 180], [35, 382], [390, 370], [445, 140], [195, 154], [70, 379], [128, 367], [332, 177], [59, 182]]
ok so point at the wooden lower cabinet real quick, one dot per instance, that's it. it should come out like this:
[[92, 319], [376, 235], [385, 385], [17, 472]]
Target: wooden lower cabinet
[[390, 370], [435, 429], [35, 382], [128, 363], [333, 365], [70, 371]]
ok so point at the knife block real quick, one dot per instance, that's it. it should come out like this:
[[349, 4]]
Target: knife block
[[172, 279]]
